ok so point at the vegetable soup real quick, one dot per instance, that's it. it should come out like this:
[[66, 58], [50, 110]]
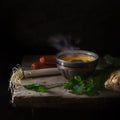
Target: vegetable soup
[[79, 58]]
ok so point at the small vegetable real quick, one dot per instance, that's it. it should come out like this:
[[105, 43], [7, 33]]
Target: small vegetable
[[50, 59], [45, 62], [35, 65]]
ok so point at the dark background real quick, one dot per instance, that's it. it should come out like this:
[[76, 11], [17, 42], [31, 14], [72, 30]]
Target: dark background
[[26, 25]]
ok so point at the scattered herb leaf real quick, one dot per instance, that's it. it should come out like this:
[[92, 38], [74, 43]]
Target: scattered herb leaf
[[36, 87]]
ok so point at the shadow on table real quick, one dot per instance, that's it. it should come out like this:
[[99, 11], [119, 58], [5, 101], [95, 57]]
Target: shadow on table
[[109, 111]]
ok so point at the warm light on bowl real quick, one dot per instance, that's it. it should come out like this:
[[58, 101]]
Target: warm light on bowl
[[76, 62]]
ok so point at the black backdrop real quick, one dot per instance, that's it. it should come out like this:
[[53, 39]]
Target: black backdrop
[[26, 25]]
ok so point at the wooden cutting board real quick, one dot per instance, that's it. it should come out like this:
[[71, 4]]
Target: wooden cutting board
[[55, 97]]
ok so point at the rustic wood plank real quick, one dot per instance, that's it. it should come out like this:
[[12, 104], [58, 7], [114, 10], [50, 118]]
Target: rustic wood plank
[[55, 97]]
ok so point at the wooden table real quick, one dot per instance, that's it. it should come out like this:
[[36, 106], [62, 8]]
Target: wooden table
[[56, 97]]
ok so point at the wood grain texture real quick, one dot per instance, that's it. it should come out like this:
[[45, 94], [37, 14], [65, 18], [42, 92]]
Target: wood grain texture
[[55, 97]]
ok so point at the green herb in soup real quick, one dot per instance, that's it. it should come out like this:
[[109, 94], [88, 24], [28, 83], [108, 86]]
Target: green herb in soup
[[80, 61], [80, 58]]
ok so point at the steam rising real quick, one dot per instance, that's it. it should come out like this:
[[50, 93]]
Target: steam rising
[[64, 42]]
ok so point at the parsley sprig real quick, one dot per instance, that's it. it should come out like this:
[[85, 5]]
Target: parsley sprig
[[79, 86], [36, 87]]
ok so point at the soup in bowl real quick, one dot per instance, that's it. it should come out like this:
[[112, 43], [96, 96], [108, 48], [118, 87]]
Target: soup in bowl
[[76, 62]]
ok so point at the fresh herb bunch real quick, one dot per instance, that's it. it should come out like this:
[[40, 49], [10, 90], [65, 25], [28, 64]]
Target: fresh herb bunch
[[79, 86]]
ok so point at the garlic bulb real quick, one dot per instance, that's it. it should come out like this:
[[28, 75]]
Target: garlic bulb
[[113, 82]]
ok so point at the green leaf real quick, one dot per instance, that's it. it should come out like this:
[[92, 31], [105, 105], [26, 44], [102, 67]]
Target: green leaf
[[92, 93], [69, 85], [90, 85], [36, 87], [42, 89], [78, 89], [77, 78], [114, 61], [80, 61]]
